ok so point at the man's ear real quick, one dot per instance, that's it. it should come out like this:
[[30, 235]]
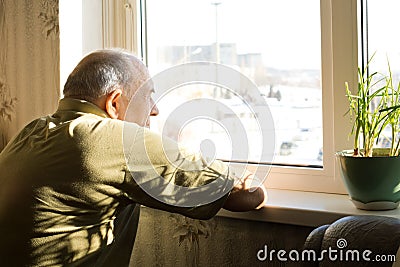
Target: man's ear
[[113, 107]]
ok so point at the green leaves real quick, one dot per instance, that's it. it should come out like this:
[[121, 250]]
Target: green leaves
[[374, 106]]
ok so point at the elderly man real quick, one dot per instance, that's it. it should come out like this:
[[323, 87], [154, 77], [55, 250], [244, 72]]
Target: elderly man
[[72, 182]]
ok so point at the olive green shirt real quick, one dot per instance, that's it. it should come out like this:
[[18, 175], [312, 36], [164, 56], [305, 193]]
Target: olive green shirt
[[69, 190]]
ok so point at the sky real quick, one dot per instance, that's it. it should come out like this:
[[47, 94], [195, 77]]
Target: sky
[[383, 35], [286, 32]]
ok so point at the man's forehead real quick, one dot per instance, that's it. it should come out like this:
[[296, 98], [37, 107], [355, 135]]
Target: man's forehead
[[148, 86], [145, 87]]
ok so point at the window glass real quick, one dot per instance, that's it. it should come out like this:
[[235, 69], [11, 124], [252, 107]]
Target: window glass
[[382, 39], [275, 43], [381, 45]]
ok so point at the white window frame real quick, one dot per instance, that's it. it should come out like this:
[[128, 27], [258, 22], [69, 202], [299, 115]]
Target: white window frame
[[122, 27], [339, 40]]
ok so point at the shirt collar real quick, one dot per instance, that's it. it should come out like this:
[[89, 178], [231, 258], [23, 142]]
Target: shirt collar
[[72, 104]]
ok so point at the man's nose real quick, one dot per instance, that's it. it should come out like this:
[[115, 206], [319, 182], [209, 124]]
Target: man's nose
[[154, 109]]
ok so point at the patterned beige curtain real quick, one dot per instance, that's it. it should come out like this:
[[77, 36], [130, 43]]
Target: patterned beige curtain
[[29, 63]]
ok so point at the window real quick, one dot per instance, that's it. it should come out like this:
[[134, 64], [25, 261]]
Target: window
[[379, 37], [377, 41], [296, 52], [70, 52], [380, 46], [81, 33], [277, 47]]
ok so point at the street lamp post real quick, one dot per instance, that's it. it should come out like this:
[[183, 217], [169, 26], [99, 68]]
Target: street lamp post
[[217, 52]]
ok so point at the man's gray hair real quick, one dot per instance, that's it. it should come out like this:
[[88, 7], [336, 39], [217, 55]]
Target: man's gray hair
[[103, 71]]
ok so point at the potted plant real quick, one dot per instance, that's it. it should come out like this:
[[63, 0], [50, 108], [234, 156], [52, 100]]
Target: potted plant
[[371, 172]]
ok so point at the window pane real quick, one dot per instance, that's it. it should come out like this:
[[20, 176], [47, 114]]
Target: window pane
[[271, 42], [383, 44], [383, 39]]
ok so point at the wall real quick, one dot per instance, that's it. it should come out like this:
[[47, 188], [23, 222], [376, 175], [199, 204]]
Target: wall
[[231, 242]]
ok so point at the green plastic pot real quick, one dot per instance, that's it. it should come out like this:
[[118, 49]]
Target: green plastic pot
[[373, 183]]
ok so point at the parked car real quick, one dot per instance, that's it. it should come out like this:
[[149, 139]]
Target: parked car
[[286, 148]]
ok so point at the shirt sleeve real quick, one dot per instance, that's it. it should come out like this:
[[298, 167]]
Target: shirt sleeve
[[162, 175]]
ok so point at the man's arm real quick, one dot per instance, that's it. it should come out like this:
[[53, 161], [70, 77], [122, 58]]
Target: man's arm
[[196, 188]]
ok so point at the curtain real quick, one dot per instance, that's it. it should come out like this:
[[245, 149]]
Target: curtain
[[29, 63]]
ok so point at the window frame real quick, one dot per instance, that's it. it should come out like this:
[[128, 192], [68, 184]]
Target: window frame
[[339, 59], [339, 65]]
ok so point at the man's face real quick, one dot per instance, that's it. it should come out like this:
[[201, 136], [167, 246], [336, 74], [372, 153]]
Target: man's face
[[140, 106]]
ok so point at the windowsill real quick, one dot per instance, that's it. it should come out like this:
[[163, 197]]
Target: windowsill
[[304, 208]]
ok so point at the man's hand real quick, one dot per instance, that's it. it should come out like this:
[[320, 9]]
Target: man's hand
[[246, 198]]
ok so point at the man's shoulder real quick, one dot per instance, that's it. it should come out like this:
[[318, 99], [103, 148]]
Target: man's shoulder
[[92, 124]]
